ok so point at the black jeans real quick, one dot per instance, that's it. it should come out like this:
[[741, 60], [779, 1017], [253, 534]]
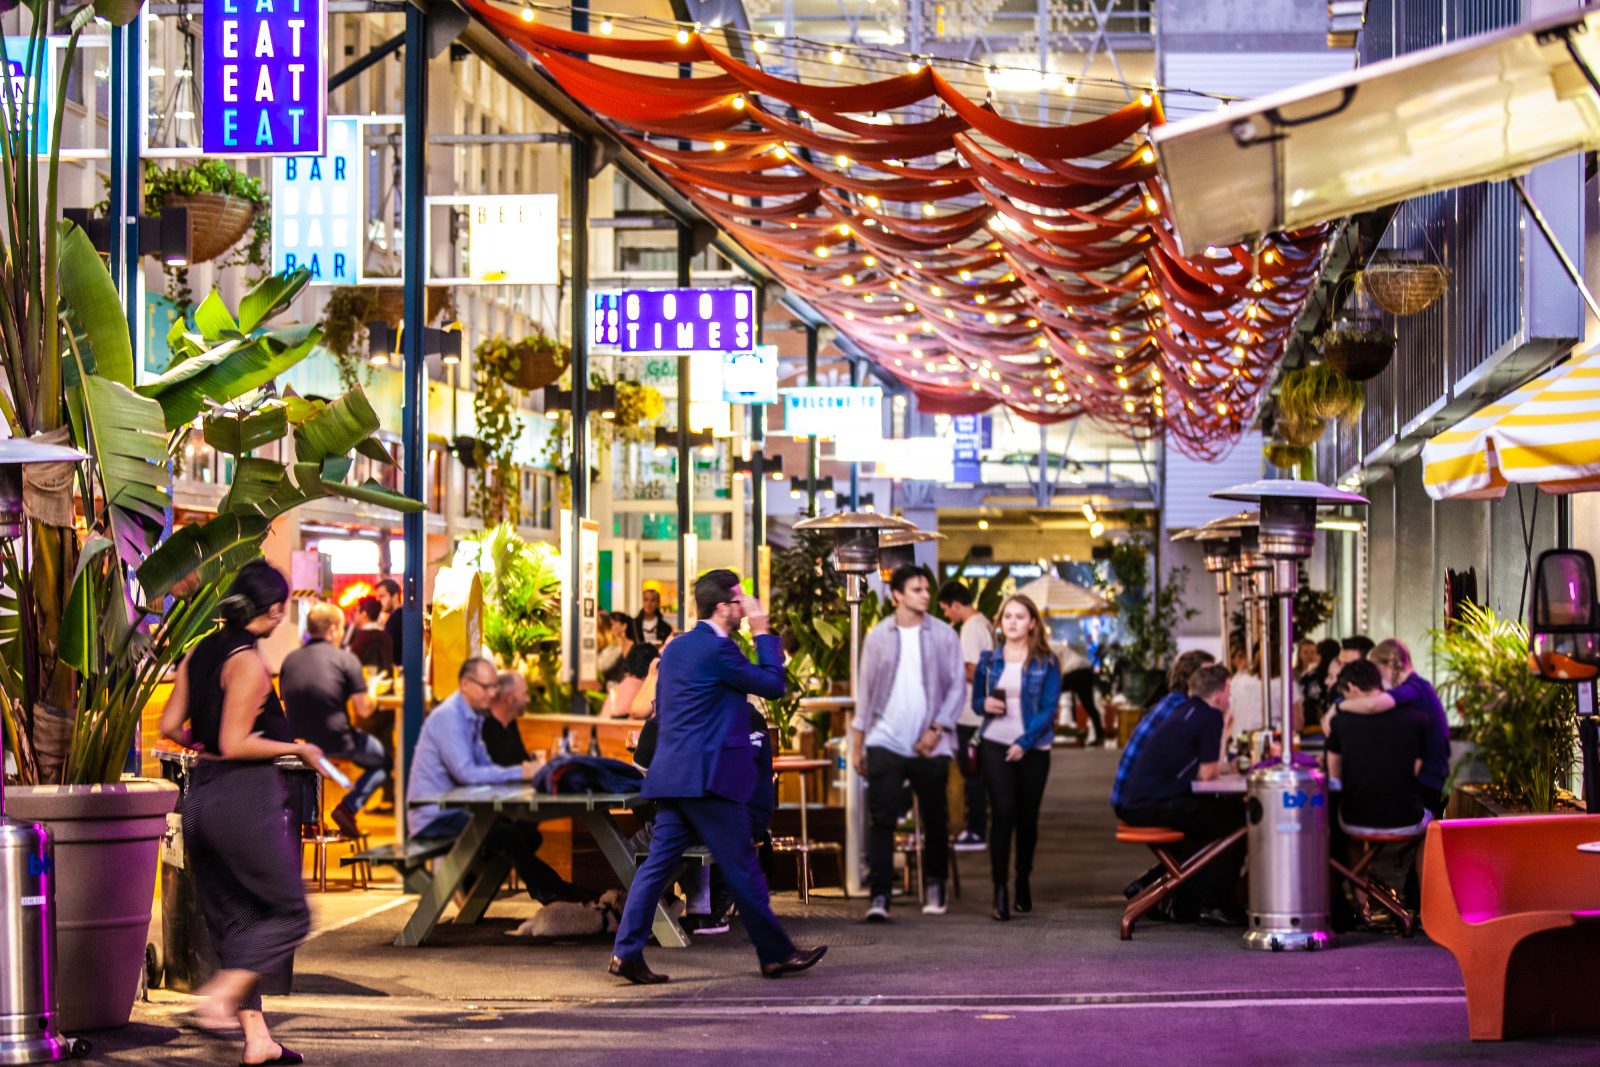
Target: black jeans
[[1016, 791], [1203, 819], [977, 801], [887, 774], [1080, 683]]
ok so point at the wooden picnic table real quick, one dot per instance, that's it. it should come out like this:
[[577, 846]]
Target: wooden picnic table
[[522, 803]]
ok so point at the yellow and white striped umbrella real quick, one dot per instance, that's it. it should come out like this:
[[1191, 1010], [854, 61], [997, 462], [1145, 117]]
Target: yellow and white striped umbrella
[[1547, 434]]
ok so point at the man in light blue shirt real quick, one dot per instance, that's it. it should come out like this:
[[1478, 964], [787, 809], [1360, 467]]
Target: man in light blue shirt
[[450, 754]]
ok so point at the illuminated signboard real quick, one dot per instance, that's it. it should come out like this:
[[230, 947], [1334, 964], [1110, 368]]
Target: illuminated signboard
[[751, 377], [849, 411], [688, 320], [605, 320], [317, 208], [266, 77], [513, 240]]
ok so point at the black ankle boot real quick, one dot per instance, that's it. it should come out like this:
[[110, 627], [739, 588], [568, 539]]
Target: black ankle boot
[[1002, 907], [1024, 897]]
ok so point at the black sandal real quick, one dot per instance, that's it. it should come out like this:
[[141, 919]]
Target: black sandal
[[285, 1056]]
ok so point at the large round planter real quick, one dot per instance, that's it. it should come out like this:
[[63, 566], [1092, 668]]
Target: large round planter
[[106, 840]]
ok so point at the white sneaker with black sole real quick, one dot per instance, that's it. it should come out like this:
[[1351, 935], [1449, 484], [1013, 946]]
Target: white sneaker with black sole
[[933, 902], [967, 841], [878, 910]]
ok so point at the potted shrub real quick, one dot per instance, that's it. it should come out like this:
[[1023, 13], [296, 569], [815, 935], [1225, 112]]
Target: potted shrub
[[1295, 458], [522, 607], [225, 205], [1317, 392], [1521, 726]]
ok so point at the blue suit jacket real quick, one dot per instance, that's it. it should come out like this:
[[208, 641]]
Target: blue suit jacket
[[702, 691]]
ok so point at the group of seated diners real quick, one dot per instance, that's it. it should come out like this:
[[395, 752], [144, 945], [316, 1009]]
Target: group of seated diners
[[1388, 745]]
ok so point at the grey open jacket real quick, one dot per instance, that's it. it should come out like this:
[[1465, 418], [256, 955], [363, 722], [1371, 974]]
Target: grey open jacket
[[944, 677]]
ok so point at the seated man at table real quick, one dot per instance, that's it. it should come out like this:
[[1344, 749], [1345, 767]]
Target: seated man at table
[[450, 754], [1157, 791], [1377, 758]]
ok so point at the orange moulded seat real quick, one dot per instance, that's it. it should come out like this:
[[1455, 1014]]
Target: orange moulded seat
[[1518, 905]]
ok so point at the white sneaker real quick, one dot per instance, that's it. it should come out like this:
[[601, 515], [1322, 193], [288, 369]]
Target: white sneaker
[[967, 841], [935, 903], [878, 910]]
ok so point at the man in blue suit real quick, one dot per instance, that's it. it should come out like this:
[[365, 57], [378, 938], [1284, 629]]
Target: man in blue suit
[[704, 772]]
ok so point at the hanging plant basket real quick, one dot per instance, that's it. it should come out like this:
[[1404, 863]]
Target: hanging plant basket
[[217, 222], [1316, 393], [539, 361], [1403, 287], [1359, 348], [1287, 456], [390, 305], [1299, 430]]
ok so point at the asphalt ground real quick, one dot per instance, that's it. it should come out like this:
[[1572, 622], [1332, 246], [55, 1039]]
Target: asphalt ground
[[1053, 987]]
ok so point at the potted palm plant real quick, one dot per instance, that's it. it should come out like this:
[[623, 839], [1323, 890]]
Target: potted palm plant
[[95, 611]]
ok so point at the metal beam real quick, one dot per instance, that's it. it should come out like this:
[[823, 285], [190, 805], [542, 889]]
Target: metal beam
[[579, 213], [367, 62], [685, 456], [500, 138]]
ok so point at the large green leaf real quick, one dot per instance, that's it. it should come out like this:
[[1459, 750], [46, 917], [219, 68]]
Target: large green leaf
[[239, 433], [265, 489], [213, 549], [214, 321], [269, 296], [336, 429], [127, 436], [373, 448], [229, 371], [88, 290], [80, 627], [372, 492]]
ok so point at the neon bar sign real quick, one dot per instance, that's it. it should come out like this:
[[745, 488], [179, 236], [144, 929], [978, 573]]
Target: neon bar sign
[[266, 77], [688, 320]]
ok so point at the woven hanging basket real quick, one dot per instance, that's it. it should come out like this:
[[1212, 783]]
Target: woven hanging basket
[[1404, 288], [217, 222], [540, 363], [391, 304]]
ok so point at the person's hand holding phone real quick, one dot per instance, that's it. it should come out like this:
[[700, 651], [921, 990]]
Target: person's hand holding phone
[[755, 615], [995, 703]]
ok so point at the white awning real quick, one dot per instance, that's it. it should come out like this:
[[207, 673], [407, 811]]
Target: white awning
[[1482, 109]]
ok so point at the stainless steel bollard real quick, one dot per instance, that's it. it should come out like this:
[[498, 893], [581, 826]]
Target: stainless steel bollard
[[28, 948], [1287, 812]]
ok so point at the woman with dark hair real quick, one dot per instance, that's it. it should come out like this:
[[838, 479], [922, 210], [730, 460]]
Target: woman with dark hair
[[237, 834], [1315, 689], [1018, 688]]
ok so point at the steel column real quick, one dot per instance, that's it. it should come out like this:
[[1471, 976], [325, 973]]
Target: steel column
[[855, 467], [126, 172], [579, 180], [811, 442], [685, 457], [414, 430], [758, 466]]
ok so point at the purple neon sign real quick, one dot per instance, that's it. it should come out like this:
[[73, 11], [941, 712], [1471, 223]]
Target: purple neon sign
[[688, 320], [265, 77]]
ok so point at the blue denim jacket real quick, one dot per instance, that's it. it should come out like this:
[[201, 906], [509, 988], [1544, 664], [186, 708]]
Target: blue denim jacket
[[1041, 693]]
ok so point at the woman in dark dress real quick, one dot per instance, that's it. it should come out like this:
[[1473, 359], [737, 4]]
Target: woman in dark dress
[[236, 828]]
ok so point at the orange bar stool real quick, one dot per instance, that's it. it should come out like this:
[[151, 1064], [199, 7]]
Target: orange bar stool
[[1380, 893], [1174, 874]]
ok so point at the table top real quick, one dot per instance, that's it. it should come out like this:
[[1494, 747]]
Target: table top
[[799, 763], [521, 797], [1238, 785], [826, 703]]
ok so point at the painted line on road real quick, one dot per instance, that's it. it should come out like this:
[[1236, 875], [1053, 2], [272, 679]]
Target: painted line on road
[[362, 917]]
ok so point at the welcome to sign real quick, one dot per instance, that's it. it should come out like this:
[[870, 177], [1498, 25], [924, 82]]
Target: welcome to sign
[[265, 77]]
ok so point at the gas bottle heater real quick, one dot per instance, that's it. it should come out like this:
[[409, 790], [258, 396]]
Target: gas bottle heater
[[28, 1031], [1287, 803]]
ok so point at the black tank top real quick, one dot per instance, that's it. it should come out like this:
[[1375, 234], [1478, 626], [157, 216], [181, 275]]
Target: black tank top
[[206, 696]]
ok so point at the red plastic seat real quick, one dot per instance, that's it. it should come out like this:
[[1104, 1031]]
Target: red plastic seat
[[1148, 835]]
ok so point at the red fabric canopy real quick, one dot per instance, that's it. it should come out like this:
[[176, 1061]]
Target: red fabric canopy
[[978, 259]]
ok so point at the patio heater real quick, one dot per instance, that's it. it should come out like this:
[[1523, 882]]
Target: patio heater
[[856, 548], [28, 1031], [896, 548], [1287, 804], [1219, 546]]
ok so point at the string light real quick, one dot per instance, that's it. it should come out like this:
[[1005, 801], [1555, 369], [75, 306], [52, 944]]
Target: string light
[[683, 36], [760, 45], [528, 14], [835, 57], [606, 27], [738, 103]]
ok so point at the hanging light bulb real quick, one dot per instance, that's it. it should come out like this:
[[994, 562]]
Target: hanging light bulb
[[835, 56], [780, 152], [606, 27], [528, 14], [683, 36], [761, 45], [738, 103], [718, 146]]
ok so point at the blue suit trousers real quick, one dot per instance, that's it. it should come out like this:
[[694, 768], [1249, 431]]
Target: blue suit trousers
[[724, 827]]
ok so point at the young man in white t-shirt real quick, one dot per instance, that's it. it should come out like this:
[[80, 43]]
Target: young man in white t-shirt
[[904, 731], [977, 637]]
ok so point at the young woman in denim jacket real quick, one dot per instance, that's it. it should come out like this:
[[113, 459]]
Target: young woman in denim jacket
[[1014, 750]]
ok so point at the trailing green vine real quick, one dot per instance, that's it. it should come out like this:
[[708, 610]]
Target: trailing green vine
[[495, 496]]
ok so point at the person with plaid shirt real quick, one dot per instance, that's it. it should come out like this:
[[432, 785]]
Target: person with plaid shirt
[[1177, 692]]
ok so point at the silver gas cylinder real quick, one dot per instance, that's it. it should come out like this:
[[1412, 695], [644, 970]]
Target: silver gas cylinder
[[1287, 813], [28, 948]]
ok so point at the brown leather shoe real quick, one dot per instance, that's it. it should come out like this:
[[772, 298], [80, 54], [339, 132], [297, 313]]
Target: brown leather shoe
[[635, 971], [800, 961]]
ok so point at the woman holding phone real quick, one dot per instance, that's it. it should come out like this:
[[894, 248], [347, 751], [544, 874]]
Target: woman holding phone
[[1017, 688], [237, 833]]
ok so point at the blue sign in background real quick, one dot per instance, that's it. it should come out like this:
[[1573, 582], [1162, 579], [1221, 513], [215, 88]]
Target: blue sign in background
[[17, 70], [265, 77], [973, 433], [688, 320], [317, 208]]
